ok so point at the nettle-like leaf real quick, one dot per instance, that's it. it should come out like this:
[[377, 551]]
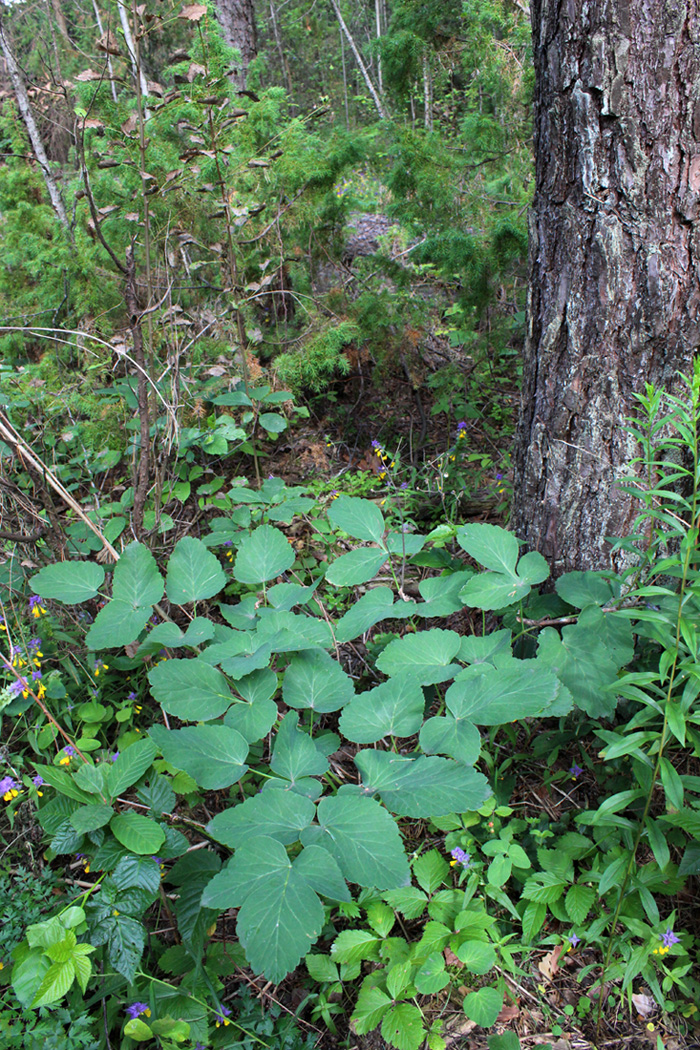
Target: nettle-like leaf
[[426, 655], [190, 689], [70, 582], [280, 914], [313, 679], [394, 708], [371, 608], [360, 518], [194, 573], [509, 580], [137, 833], [421, 787], [129, 766], [263, 555], [213, 756], [136, 587], [362, 837]]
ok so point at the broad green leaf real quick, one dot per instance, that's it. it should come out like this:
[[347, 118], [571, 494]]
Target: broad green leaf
[[477, 956], [263, 555], [404, 544], [194, 573], [137, 833], [533, 919], [490, 546], [136, 577], [363, 838], [483, 1006], [279, 916], [28, 972], [371, 608], [252, 721], [314, 679], [489, 696], [360, 518], [260, 685], [90, 818], [63, 782], [57, 980], [295, 755], [402, 1026], [394, 708], [91, 778], [321, 968], [142, 872], [543, 888], [130, 766], [446, 735], [432, 976], [426, 655], [578, 902], [493, 590], [117, 624], [533, 568], [505, 1041], [213, 755], [371, 1006], [288, 632], [353, 946], [441, 594], [322, 873], [285, 596], [409, 901], [83, 969], [190, 689], [584, 588], [70, 582], [138, 1030], [421, 787], [586, 659], [272, 422], [281, 815], [359, 566], [288, 510]]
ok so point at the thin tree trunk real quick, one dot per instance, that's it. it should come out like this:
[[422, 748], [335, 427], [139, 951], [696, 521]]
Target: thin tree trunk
[[427, 94], [100, 26], [345, 79], [378, 18], [25, 110], [614, 300], [131, 48], [280, 50], [358, 58], [60, 20], [142, 471]]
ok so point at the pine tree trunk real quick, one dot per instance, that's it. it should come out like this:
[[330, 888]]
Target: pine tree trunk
[[237, 21], [614, 300]]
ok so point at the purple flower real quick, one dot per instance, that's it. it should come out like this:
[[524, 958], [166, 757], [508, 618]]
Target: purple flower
[[461, 425], [36, 676], [34, 601], [17, 687], [575, 771], [228, 543], [33, 644], [499, 477], [115, 756], [7, 784], [574, 940], [375, 444], [37, 781], [403, 485], [158, 860], [668, 938], [460, 857], [136, 1009], [221, 1016], [132, 695], [68, 750]]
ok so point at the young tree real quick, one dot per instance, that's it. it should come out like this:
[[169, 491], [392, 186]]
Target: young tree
[[614, 242]]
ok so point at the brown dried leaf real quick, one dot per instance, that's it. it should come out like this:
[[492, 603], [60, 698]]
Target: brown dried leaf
[[129, 126], [195, 70], [155, 88], [87, 75], [193, 12], [92, 122], [132, 216], [549, 965], [508, 1013], [644, 1004], [108, 43]]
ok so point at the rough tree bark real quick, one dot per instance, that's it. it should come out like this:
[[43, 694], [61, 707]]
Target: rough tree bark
[[614, 257], [237, 21]]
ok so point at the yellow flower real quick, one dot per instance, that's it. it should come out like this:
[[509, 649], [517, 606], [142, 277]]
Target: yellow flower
[[114, 911], [65, 761], [41, 691]]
